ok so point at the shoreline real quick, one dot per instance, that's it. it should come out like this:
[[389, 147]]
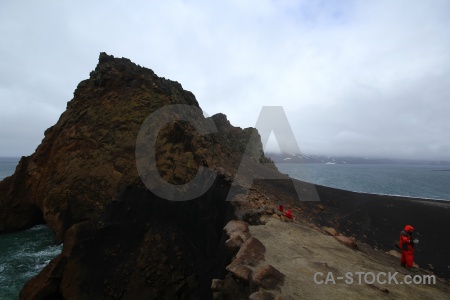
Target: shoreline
[[392, 180], [380, 194], [17, 159], [378, 219]]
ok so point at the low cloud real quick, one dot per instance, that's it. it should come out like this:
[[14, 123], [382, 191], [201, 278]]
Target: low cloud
[[354, 77]]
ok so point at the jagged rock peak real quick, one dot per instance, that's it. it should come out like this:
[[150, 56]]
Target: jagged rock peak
[[89, 154], [106, 61], [112, 73]]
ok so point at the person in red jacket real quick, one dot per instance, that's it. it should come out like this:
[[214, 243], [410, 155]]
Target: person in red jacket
[[407, 246], [289, 214]]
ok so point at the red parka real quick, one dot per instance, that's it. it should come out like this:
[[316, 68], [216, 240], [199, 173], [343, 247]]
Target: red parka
[[289, 214], [407, 246]]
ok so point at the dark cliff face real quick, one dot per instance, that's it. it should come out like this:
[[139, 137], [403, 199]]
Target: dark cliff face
[[142, 247], [90, 152], [120, 239]]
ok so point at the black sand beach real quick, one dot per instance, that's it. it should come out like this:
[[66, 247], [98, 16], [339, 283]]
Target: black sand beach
[[377, 220]]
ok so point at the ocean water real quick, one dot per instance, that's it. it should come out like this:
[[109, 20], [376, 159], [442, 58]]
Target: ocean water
[[418, 181], [7, 166], [22, 254]]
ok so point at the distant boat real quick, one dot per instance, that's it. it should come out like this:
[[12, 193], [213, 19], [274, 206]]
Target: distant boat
[[330, 163]]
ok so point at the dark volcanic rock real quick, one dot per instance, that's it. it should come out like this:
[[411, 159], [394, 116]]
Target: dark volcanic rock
[[143, 247], [89, 154], [121, 240]]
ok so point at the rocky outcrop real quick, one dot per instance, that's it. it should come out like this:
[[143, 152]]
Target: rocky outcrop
[[248, 269], [142, 247], [122, 240], [89, 154]]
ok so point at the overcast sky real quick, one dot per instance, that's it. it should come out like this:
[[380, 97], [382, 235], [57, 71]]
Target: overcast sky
[[363, 78]]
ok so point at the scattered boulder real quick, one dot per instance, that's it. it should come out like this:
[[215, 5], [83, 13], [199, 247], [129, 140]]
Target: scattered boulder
[[267, 277], [276, 216], [234, 243], [394, 253], [269, 211], [231, 289], [235, 226], [216, 284], [262, 295], [330, 231], [238, 233], [347, 241], [251, 252], [241, 272]]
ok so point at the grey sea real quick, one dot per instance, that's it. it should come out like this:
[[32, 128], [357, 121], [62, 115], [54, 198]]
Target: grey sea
[[415, 181]]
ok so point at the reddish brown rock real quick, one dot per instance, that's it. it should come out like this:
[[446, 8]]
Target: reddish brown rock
[[349, 242], [394, 253], [251, 253], [241, 272], [330, 231], [46, 285], [233, 244], [267, 277], [262, 295], [235, 226], [238, 232]]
